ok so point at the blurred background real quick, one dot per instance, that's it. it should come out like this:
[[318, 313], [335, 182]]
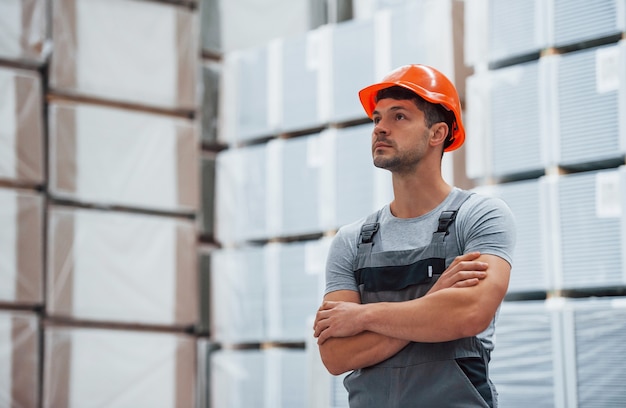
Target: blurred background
[[172, 171]]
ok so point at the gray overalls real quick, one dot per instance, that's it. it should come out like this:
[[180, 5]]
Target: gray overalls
[[425, 375]]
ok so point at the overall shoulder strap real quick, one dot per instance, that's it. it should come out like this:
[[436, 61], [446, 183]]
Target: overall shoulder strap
[[368, 230], [448, 216]]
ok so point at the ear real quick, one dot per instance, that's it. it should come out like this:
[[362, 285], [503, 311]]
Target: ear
[[439, 133]]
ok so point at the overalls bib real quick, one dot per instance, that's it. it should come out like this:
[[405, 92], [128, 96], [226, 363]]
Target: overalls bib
[[426, 375]]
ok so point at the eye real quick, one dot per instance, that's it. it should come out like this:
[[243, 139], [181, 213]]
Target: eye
[[400, 116], [376, 120]]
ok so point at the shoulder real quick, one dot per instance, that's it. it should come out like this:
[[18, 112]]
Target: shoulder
[[478, 206]]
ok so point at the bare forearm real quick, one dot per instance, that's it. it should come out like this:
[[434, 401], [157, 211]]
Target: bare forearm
[[365, 349], [446, 315]]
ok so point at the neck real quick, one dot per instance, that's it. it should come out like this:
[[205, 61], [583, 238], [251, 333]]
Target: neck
[[418, 193]]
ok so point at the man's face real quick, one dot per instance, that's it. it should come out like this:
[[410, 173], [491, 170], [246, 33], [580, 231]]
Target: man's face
[[400, 136]]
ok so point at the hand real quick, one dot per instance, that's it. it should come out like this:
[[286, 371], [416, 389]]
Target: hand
[[463, 272], [337, 319]]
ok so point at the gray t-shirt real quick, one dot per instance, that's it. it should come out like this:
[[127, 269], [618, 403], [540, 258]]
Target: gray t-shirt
[[483, 224]]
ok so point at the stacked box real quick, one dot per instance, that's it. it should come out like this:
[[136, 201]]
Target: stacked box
[[352, 63], [109, 156], [24, 31], [526, 365], [500, 31], [588, 217], [281, 285], [118, 368], [94, 58], [293, 187], [351, 186], [21, 126], [238, 290], [598, 77], [595, 352], [574, 22], [295, 283], [21, 245], [529, 201], [19, 359], [269, 378], [301, 85], [121, 268]]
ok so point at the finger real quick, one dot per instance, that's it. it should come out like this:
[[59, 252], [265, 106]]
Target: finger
[[466, 283]]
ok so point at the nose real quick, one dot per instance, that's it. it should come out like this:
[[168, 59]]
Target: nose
[[380, 128]]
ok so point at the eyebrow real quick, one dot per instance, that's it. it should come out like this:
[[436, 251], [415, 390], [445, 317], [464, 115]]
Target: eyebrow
[[393, 108]]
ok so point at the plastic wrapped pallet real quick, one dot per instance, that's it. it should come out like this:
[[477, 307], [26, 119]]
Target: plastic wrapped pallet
[[501, 31], [293, 174], [24, 31], [250, 84], [118, 368], [123, 268], [588, 218], [263, 23], [403, 36], [21, 126], [301, 86], [21, 245], [110, 156], [241, 194], [595, 352], [267, 378], [579, 21], [520, 115], [526, 365], [19, 359], [93, 57], [352, 65], [324, 390], [351, 186], [590, 92], [532, 271], [295, 283], [238, 288]]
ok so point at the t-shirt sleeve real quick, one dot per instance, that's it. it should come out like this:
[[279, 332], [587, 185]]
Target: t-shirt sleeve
[[487, 225], [339, 273]]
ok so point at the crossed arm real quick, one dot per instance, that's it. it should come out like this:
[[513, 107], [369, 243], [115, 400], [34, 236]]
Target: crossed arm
[[462, 303]]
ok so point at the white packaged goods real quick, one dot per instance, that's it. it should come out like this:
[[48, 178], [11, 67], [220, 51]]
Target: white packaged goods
[[122, 268], [19, 359], [23, 31], [21, 246], [527, 355], [110, 156], [118, 368], [94, 57], [21, 126]]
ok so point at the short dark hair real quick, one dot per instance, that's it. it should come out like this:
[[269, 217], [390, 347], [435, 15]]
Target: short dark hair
[[433, 112]]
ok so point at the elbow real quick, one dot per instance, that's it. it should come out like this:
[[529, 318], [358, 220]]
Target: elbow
[[333, 366], [333, 363], [475, 323]]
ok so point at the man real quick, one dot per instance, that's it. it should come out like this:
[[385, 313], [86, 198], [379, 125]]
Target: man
[[412, 290]]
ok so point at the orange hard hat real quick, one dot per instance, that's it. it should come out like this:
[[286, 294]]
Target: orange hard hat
[[428, 83]]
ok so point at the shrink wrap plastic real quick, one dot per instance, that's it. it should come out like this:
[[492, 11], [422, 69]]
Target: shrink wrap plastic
[[114, 368], [19, 359], [110, 156], [93, 55], [21, 126], [121, 268], [21, 246]]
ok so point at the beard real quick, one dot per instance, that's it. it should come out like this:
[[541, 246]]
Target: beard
[[398, 162]]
